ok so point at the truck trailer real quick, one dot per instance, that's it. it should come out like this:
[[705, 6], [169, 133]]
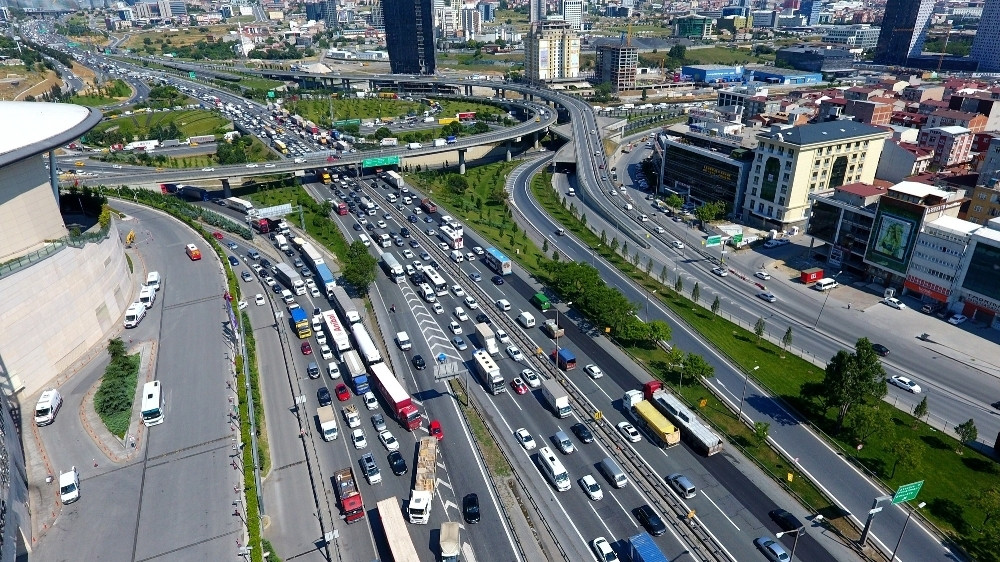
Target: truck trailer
[[356, 371], [424, 481], [345, 306], [400, 403], [646, 415], [487, 339], [565, 359], [556, 398], [289, 278]]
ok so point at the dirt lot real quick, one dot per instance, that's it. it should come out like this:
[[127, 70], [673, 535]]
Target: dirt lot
[[16, 82], [84, 73], [179, 38]]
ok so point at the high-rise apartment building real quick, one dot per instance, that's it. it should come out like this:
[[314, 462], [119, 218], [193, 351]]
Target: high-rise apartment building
[[409, 35], [537, 10], [904, 29], [551, 51], [471, 22], [616, 64], [811, 9], [572, 11], [986, 45]]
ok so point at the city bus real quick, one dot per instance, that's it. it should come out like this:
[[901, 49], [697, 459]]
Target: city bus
[[553, 469], [397, 536], [152, 404], [435, 280], [499, 263]]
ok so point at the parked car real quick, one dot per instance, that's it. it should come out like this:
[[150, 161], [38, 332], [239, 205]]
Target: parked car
[[894, 303]]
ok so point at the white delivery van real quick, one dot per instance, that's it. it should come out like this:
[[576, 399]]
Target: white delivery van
[[147, 295], [134, 314], [287, 296], [47, 406], [153, 280], [571, 192], [403, 340], [386, 241], [526, 319], [457, 256], [364, 240], [824, 284]]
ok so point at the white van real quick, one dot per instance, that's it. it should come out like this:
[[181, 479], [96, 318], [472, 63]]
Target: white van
[[153, 280], [134, 314], [147, 295], [526, 319], [824, 284], [47, 406], [386, 241], [364, 240], [457, 256], [571, 192], [428, 292]]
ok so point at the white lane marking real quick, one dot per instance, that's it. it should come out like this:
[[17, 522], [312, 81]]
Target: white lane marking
[[720, 510]]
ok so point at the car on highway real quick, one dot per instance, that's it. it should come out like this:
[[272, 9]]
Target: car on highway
[[232, 246], [359, 439], [677, 244], [582, 433], [681, 485], [455, 327], [343, 394], [259, 299], [306, 348], [208, 169], [470, 508], [323, 396], [437, 308], [321, 339], [518, 385], [435, 430], [419, 363], [650, 520], [893, 302], [502, 336], [771, 549], [762, 275], [388, 440], [720, 271], [498, 280], [378, 422], [474, 276], [602, 549], [531, 378], [515, 353], [217, 235], [880, 349], [629, 431], [905, 383], [786, 520], [594, 371], [325, 352], [957, 319], [471, 302], [767, 296], [478, 250], [397, 463], [459, 343], [525, 439], [458, 291], [233, 261]]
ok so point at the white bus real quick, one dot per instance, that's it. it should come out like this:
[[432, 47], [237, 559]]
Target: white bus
[[152, 404], [435, 280], [553, 469], [241, 205], [451, 236]]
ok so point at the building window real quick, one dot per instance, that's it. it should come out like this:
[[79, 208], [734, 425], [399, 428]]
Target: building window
[[784, 189], [753, 192], [982, 195], [770, 210], [760, 207], [812, 187], [979, 208], [785, 177], [781, 201], [757, 169], [788, 164], [791, 152]]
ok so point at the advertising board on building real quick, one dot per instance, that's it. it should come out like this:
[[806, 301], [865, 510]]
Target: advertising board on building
[[894, 234]]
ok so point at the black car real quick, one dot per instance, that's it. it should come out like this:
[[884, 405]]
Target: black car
[[276, 288], [498, 279], [404, 232], [650, 520], [418, 277], [233, 261], [357, 227], [418, 362], [482, 318], [323, 395], [583, 433], [397, 463], [435, 264], [470, 508], [370, 227], [289, 252], [414, 244], [785, 520], [265, 263], [412, 218], [880, 349]]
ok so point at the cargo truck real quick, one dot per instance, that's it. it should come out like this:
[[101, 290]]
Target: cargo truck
[[565, 359], [394, 179], [325, 278], [424, 480], [698, 435], [351, 416], [487, 339], [641, 548], [451, 140], [552, 329], [438, 142], [428, 206], [556, 398], [345, 306], [356, 371], [366, 346], [389, 141], [352, 507], [400, 403], [300, 322], [449, 541], [324, 176], [192, 192], [327, 422], [262, 226], [280, 242], [646, 415], [414, 146], [289, 277], [340, 341]]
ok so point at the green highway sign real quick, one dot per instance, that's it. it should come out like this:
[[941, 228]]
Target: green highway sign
[[191, 75], [907, 492], [713, 241], [736, 239], [375, 162], [270, 93], [346, 122]]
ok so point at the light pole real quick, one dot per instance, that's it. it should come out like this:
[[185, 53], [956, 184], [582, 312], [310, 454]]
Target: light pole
[[647, 303], [795, 543], [746, 377], [919, 506], [825, 301]]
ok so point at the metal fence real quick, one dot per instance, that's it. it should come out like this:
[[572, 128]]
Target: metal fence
[[51, 248]]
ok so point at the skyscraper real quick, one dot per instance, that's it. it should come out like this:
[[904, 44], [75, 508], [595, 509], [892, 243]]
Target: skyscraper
[[904, 29], [572, 11], [409, 35], [810, 9], [986, 45], [537, 10]]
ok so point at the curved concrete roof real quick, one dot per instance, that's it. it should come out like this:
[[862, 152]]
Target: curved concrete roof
[[35, 127]]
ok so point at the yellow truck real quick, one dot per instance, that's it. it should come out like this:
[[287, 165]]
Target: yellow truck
[[646, 415]]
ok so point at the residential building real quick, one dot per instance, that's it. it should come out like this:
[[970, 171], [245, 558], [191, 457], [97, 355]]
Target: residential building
[[792, 162], [871, 112], [940, 255], [979, 101], [751, 98], [975, 122], [951, 145], [990, 168], [904, 30], [487, 10], [810, 9], [923, 92], [572, 11], [470, 20], [979, 294], [986, 45], [552, 52], [409, 36], [694, 26], [537, 10], [447, 22], [858, 36], [814, 59], [901, 160], [842, 217], [616, 64], [985, 202]]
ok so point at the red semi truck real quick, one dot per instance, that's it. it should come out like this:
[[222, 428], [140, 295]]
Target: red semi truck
[[393, 393], [352, 507]]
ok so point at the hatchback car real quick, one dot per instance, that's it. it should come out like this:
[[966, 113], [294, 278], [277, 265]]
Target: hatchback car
[[905, 383], [397, 463], [515, 353], [461, 315], [650, 520], [771, 549], [436, 431], [531, 378], [323, 396], [603, 551], [459, 343], [525, 439], [437, 308], [518, 386], [594, 371], [343, 394], [471, 302], [786, 520], [498, 280], [359, 439], [259, 300], [629, 431], [388, 440], [455, 327], [470, 508], [458, 291], [306, 348], [591, 487]]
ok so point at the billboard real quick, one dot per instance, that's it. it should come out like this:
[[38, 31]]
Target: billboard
[[981, 277], [894, 233]]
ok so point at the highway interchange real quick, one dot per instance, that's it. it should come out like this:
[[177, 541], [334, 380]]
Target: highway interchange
[[723, 493]]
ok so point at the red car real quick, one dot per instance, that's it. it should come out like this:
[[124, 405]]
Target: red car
[[342, 393], [518, 385], [306, 348], [436, 430], [217, 235]]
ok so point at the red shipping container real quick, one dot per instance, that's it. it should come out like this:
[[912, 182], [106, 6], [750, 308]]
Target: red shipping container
[[812, 275]]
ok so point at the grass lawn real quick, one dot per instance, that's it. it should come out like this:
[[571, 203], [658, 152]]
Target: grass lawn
[[259, 83], [92, 101], [495, 460], [191, 122], [716, 55], [319, 226], [177, 38], [318, 111]]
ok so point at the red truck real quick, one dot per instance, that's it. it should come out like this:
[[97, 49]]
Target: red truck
[[396, 396], [262, 226], [352, 507], [342, 208], [428, 206]]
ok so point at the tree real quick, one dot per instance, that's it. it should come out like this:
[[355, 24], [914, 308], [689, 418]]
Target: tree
[[555, 255], [677, 52], [614, 245], [658, 331], [851, 379], [696, 292], [710, 211], [359, 269], [635, 259], [458, 184], [786, 340], [679, 285], [649, 266], [759, 328], [866, 421], [987, 501], [906, 455], [716, 305], [674, 201], [663, 274], [583, 219], [545, 246], [675, 357], [116, 348], [604, 238], [696, 366], [760, 430], [966, 432], [920, 410]]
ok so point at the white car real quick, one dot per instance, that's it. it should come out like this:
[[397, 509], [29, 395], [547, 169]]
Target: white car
[[325, 352], [455, 327], [677, 244], [905, 383], [458, 291], [525, 439], [320, 336], [894, 303], [259, 300], [270, 282], [720, 271], [603, 551], [314, 293], [359, 439], [478, 250], [957, 319], [251, 165], [515, 353], [310, 284], [762, 275], [471, 303], [594, 371], [388, 440], [437, 308], [461, 315], [208, 169], [502, 336], [408, 254], [591, 487], [767, 296], [370, 401], [660, 230], [69, 486], [531, 378], [629, 431]]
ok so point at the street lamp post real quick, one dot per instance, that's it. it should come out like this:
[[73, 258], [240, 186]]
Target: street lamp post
[[746, 378], [795, 543], [825, 301], [919, 506], [647, 303]]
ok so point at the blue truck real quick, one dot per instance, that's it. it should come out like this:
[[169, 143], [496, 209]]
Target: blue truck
[[356, 371], [565, 359], [641, 548], [192, 192], [451, 140], [325, 278]]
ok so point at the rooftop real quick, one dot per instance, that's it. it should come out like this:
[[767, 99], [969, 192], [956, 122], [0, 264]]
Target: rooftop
[[919, 190], [777, 71], [865, 189], [952, 130], [41, 126], [712, 66], [830, 131], [955, 224]]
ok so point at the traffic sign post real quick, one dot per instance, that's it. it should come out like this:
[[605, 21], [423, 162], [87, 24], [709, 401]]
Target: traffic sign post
[[907, 492], [376, 162], [712, 241]]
